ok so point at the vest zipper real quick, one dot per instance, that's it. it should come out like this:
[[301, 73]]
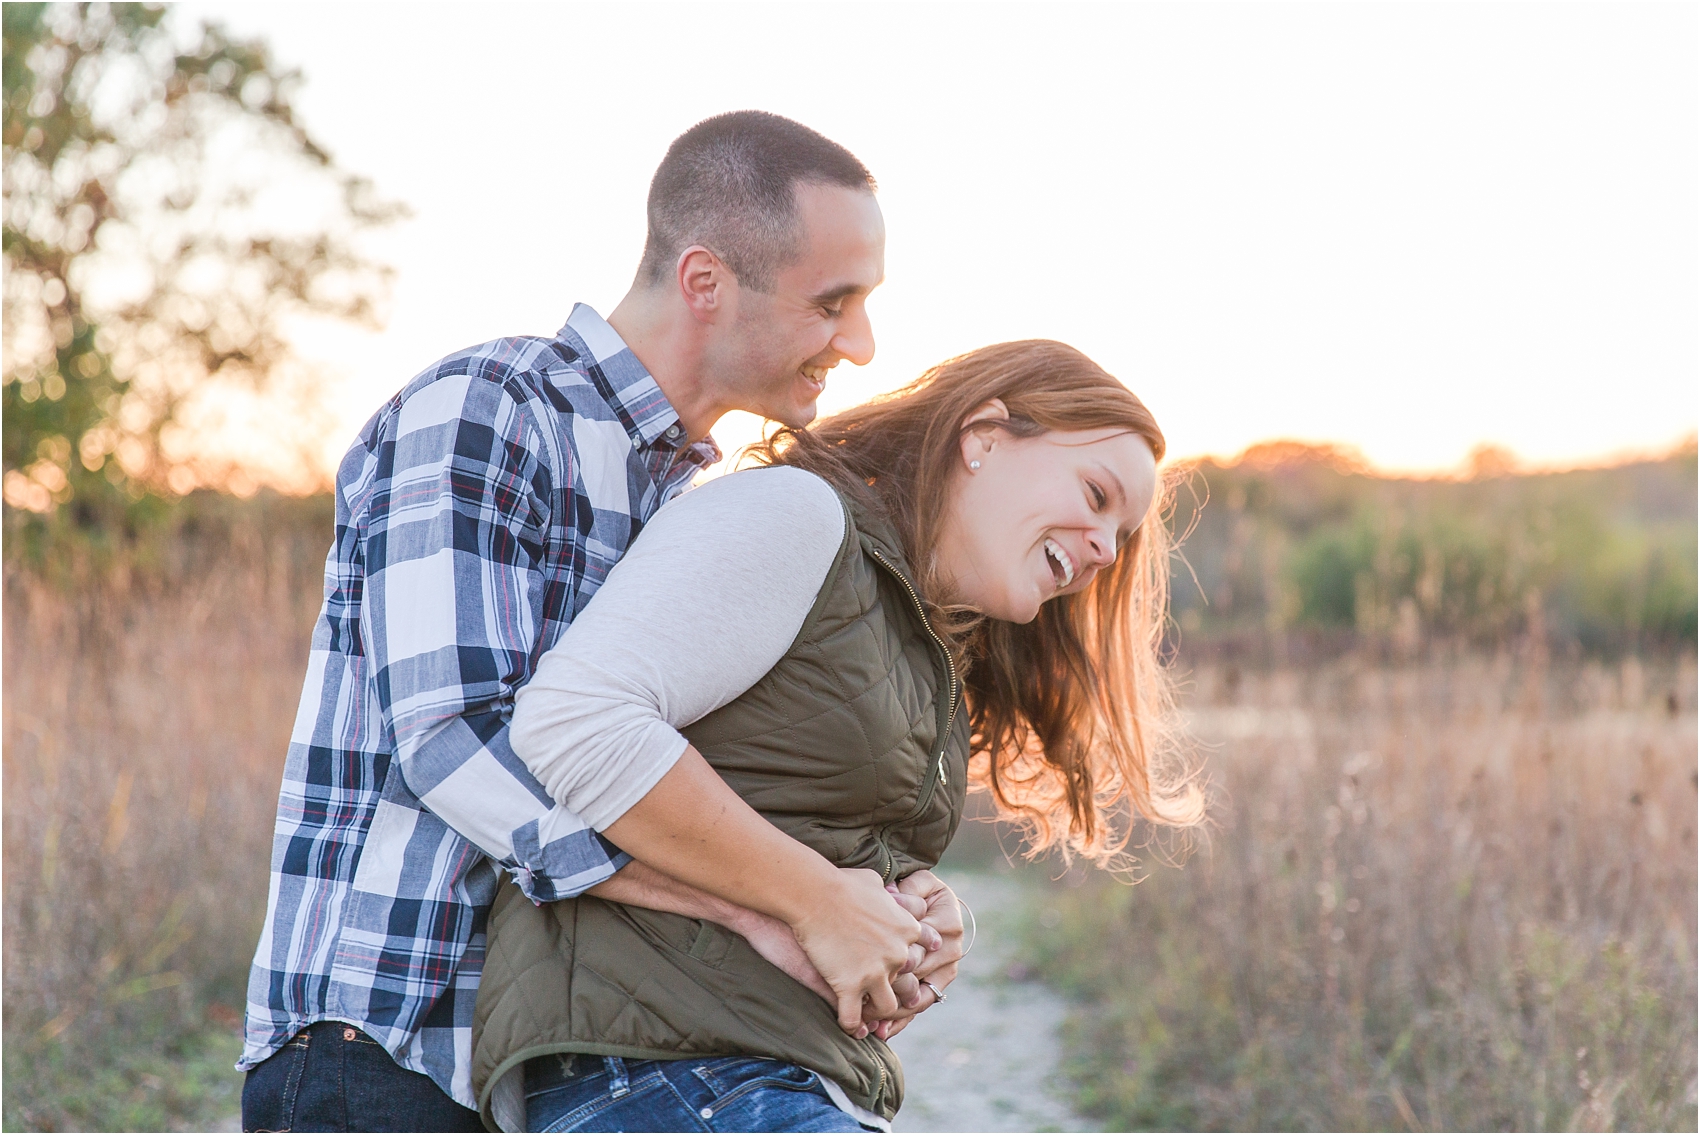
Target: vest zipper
[[879, 1085], [937, 774]]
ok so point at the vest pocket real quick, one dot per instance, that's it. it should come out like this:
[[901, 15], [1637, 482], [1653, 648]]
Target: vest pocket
[[711, 944]]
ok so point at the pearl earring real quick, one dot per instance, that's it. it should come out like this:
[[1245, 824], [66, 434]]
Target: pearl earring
[[973, 465]]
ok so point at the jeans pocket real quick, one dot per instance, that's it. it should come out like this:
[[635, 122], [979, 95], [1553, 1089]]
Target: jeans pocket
[[647, 1102], [269, 1091], [732, 1078]]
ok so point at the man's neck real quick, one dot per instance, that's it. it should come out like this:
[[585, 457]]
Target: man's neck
[[671, 347]]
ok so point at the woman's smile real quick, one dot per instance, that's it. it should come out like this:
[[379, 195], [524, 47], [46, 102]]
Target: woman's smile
[[1061, 563]]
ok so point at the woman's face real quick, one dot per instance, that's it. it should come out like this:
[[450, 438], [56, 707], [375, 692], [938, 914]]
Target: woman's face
[[1039, 517]]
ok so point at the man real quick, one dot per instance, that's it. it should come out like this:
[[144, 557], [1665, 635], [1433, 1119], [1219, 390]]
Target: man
[[477, 514]]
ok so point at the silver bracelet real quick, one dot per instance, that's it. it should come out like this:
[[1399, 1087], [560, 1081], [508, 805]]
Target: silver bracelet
[[973, 922]]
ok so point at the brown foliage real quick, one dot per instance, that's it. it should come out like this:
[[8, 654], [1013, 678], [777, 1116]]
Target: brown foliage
[[145, 721], [1451, 896]]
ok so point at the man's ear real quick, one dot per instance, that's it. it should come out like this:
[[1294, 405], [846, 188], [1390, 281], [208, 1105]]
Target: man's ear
[[706, 285], [980, 432]]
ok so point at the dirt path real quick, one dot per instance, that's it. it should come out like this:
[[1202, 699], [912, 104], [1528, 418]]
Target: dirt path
[[986, 1060]]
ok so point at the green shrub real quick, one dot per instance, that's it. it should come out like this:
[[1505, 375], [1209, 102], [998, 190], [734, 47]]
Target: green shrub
[[1294, 541]]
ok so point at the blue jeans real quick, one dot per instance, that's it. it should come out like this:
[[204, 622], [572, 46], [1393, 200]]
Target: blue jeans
[[718, 1093], [333, 1077]]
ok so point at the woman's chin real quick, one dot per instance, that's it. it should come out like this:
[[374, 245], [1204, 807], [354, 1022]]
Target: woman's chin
[[1022, 609], [1020, 603]]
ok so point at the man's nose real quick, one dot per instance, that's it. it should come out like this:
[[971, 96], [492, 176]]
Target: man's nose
[[855, 338]]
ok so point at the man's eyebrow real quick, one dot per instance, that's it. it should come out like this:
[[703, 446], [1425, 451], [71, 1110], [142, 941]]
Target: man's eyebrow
[[842, 291]]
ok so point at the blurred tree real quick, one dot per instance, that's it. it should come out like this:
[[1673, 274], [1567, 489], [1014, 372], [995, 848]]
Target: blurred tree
[[164, 214]]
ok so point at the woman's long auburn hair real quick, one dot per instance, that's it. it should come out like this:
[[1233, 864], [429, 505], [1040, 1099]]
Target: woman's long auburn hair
[[1072, 714]]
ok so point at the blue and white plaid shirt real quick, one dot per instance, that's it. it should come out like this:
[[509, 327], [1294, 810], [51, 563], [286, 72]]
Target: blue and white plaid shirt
[[477, 514]]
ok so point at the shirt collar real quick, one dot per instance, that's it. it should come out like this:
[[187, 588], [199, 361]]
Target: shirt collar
[[629, 389]]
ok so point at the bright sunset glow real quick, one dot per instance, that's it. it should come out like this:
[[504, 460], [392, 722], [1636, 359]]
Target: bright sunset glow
[[1406, 228]]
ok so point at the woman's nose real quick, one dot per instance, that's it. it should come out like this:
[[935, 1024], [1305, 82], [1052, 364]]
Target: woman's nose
[[1101, 546]]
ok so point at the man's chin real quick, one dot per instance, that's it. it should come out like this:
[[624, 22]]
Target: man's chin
[[795, 416]]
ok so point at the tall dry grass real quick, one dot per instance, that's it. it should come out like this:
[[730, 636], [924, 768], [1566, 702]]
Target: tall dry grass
[[145, 719], [1454, 895], [1448, 896]]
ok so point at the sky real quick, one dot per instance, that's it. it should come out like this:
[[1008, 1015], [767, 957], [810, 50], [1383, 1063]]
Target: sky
[[1407, 228]]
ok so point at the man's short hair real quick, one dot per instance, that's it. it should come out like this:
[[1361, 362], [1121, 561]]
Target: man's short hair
[[729, 184]]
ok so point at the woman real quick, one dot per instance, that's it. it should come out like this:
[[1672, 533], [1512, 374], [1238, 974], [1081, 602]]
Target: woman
[[964, 580]]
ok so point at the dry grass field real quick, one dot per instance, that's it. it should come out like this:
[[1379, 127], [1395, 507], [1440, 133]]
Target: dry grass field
[[1458, 894], [144, 730], [1449, 896]]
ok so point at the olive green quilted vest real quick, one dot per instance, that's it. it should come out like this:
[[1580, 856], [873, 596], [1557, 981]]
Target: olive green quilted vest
[[856, 744]]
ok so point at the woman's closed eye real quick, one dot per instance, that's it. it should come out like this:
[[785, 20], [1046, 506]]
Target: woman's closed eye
[[1099, 498]]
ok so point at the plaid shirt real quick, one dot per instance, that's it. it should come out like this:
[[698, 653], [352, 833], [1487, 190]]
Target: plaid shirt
[[477, 514]]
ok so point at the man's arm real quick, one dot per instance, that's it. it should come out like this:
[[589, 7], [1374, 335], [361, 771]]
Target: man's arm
[[454, 528], [638, 884], [922, 894], [692, 826]]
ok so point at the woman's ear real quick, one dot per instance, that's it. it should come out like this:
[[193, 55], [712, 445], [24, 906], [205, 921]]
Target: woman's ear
[[980, 433], [993, 411]]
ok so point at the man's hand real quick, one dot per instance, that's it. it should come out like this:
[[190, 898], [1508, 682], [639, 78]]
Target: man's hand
[[638, 884], [693, 827], [773, 940], [924, 899]]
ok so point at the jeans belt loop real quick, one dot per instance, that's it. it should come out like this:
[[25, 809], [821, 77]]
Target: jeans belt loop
[[619, 1084]]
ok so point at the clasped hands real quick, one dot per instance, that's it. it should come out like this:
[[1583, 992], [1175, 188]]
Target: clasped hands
[[869, 949], [701, 851]]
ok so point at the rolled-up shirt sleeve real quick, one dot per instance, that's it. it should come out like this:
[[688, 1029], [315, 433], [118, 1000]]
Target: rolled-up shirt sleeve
[[708, 598]]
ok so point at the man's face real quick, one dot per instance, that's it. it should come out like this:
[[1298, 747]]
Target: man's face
[[782, 343]]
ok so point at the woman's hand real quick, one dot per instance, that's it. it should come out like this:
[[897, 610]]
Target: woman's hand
[[944, 914], [638, 884], [859, 940], [925, 896], [776, 943]]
